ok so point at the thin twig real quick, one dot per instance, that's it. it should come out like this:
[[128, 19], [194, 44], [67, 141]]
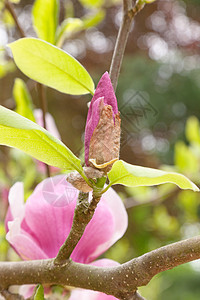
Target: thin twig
[[42, 94], [129, 13], [11, 10], [83, 214], [43, 103]]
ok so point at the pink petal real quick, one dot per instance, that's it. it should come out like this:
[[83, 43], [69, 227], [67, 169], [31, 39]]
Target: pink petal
[[45, 227], [57, 191], [50, 225], [8, 218], [16, 203], [91, 124], [26, 290], [16, 200], [105, 262], [23, 244], [83, 295], [92, 295], [109, 223], [102, 296], [119, 213], [104, 89], [97, 233]]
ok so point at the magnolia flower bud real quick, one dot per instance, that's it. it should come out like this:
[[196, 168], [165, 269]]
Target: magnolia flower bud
[[102, 132]]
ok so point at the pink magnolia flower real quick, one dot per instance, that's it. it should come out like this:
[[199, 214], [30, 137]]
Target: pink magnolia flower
[[103, 107], [36, 229]]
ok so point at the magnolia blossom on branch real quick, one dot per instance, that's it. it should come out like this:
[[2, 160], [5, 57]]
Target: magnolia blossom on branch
[[37, 228]]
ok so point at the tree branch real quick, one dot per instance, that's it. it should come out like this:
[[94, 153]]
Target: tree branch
[[83, 214], [121, 281], [11, 10], [129, 13]]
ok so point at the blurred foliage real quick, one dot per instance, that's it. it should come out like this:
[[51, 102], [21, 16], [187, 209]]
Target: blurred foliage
[[3, 243], [6, 66], [168, 103], [158, 91], [24, 104], [165, 286], [162, 215]]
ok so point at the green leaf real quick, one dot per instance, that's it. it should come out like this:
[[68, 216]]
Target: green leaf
[[193, 130], [45, 19], [51, 66], [67, 28], [23, 134], [185, 159], [39, 294], [23, 100], [131, 175]]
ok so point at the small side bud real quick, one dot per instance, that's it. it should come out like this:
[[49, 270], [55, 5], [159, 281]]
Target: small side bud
[[79, 183]]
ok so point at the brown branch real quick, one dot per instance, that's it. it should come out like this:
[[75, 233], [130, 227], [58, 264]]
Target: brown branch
[[11, 10], [121, 281], [129, 12], [83, 214], [43, 103]]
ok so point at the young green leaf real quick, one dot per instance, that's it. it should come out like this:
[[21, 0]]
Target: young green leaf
[[24, 105], [23, 134], [39, 294], [51, 66], [131, 175], [185, 160], [45, 19], [192, 130]]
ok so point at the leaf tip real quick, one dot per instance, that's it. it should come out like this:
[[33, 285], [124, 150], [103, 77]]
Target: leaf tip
[[195, 188]]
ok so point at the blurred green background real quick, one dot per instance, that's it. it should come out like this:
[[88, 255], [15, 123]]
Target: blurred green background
[[158, 92]]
